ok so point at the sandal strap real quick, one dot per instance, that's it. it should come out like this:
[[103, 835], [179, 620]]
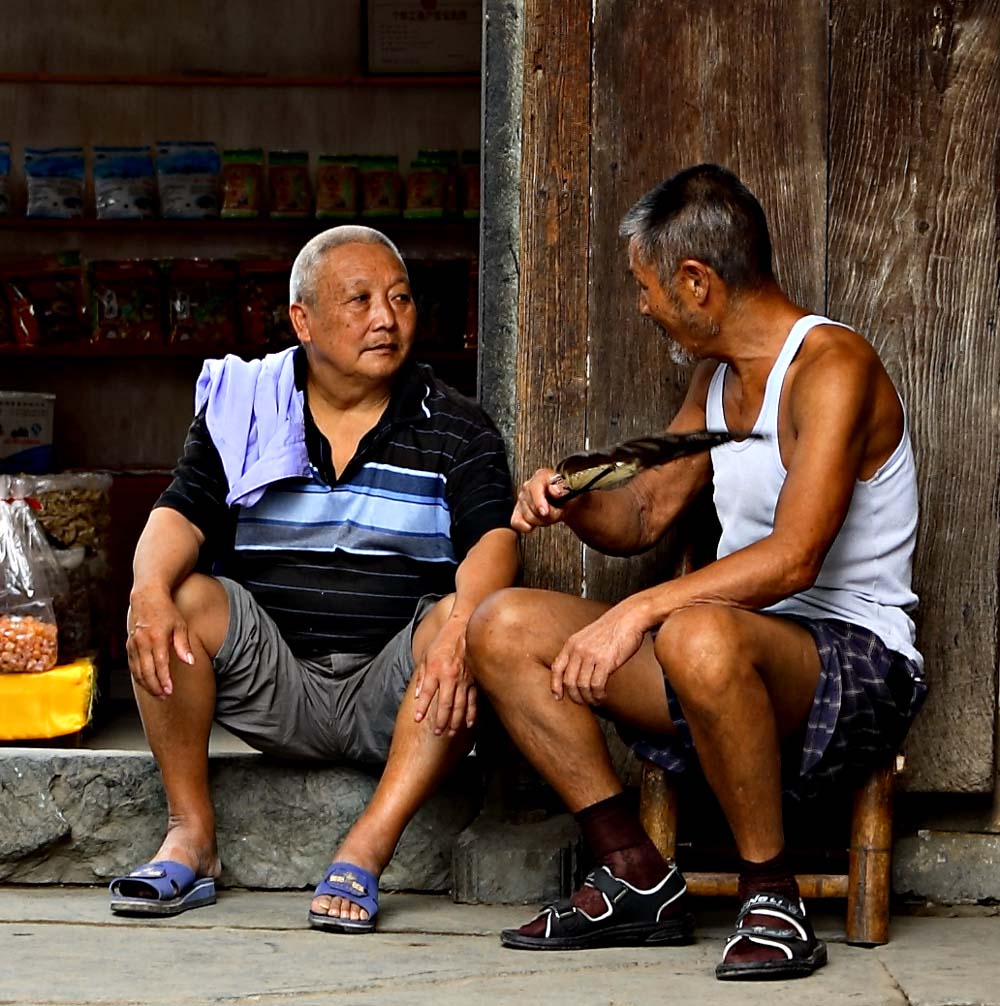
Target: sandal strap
[[622, 904], [777, 907], [790, 931], [609, 885], [355, 884]]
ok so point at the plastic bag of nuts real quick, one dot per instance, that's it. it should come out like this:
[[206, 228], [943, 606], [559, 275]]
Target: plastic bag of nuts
[[30, 578], [28, 642]]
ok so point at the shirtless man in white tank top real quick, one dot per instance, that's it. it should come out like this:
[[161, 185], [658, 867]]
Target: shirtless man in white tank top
[[799, 629]]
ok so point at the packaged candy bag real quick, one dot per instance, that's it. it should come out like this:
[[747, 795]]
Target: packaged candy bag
[[242, 174], [55, 182], [288, 182], [337, 187], [187, 173], [126, 302], [124, 183], [44, 299], [31, 579]]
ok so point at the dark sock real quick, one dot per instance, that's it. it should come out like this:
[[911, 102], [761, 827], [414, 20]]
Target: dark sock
[[774, 876], [612, 830]]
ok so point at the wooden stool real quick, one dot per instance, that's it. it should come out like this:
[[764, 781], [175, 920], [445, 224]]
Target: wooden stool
[[867, 883]]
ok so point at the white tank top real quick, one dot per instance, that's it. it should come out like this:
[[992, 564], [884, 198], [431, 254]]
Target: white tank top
[[866, 576]]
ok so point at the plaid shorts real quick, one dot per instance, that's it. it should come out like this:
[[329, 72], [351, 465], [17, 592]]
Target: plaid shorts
[[866, 698]]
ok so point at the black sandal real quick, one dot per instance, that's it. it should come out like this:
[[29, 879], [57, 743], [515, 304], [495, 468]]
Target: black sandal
[[791, 933], [633, 917]]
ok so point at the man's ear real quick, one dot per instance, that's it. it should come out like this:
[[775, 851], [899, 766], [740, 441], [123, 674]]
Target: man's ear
[[696, 279], [300, 321]]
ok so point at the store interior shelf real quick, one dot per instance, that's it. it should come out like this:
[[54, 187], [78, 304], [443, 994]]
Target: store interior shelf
[[202, 79], [220, 225], [185, 350]]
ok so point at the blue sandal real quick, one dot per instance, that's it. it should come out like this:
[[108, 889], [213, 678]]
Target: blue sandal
[[345, 880], [163, 887]]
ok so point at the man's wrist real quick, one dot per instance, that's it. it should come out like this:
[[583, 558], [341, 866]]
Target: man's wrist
[[650, 609]]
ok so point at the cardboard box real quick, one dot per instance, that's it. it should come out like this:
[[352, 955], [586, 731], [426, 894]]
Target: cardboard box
[[26, 431]]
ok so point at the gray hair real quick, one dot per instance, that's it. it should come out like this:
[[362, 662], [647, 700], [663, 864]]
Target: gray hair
[[704, 213], [302, 282]]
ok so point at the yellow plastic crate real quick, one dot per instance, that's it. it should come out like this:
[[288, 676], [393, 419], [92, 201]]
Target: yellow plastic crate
[[47, 704]]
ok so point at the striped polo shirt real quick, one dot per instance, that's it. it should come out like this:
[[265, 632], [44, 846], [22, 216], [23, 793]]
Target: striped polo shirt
[[339, 560]]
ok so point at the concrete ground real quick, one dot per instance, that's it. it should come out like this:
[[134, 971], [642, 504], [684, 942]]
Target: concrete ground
[[61, 946]]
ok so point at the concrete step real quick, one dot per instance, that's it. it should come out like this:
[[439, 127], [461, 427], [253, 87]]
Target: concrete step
[[83, 816]]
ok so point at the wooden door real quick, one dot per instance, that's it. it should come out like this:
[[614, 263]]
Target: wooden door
[[869, 134]]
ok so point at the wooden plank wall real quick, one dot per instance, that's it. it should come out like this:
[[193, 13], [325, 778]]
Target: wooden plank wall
[[555, 230], [660, 105], [892, 227], [914, 157]]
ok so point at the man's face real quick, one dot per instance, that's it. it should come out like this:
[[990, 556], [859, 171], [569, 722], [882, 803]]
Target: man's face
[[363, 321], [682, 326]]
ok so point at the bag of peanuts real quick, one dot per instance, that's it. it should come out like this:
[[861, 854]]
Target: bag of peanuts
[[31, 578]]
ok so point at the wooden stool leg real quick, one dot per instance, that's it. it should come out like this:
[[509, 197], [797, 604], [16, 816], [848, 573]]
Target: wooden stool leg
[[658, 809], [870, 870]]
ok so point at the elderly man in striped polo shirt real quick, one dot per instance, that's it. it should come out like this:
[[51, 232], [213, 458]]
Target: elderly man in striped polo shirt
[[353, 511]]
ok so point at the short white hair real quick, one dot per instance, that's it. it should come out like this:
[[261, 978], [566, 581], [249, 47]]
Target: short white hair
[[302, 282]]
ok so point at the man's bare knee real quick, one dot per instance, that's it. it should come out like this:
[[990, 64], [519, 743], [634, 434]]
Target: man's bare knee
[[431, 624], [204, 604], [702, 653], [506, 621]]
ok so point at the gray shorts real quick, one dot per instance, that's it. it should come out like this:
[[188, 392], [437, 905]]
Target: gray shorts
[[340, 707]]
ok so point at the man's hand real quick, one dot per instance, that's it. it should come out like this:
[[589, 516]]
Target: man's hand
[[590, 656], [155, 626], [442, 672], [533, 508]]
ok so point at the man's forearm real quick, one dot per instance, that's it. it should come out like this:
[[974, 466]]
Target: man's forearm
[[632, 519], [490, 565], [609, 520], [167, 551], [752, 578]]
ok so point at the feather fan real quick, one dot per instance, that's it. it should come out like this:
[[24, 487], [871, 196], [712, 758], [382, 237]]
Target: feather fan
[[614, 466]]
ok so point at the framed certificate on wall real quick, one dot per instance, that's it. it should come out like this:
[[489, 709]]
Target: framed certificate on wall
[[422, 36]]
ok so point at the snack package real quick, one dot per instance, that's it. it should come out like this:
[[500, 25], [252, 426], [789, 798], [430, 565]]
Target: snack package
[[242, 183], [288, 184], [202, 299], [124, 183], [448, 162], [55, 182], [26, 432], [45, 299], [264, 320], [337, 187], [31, 578], [4, 175], [74, 508], [187, 175], [425, 190], [126, 302], [381, 187]]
